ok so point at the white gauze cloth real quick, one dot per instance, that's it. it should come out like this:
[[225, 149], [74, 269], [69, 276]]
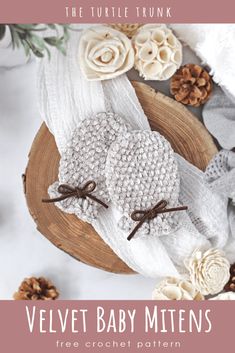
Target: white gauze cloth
[[65, 99]]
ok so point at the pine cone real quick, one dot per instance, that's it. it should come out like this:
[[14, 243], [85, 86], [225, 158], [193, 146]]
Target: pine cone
[[230, 286], [36, 289], [191, 85], [129, 29]]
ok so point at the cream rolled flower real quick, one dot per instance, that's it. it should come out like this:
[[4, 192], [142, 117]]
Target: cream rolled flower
[[104, 53], [158, 53], [173, 288], [209, 270], [224, 296]]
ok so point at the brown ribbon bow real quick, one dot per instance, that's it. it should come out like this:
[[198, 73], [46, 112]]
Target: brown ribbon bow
[[67, 191], [142, 216]]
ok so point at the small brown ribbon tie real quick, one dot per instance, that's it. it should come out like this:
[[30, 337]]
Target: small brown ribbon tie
[[142, 216], [68, 191]]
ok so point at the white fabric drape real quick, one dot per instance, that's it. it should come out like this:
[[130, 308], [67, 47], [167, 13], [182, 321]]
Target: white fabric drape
[[66, 98]]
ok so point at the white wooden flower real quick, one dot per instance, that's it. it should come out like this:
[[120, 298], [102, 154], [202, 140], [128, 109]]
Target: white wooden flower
[[104, 53], [158, 53], [209, 270], [173, 288], [224, 296]]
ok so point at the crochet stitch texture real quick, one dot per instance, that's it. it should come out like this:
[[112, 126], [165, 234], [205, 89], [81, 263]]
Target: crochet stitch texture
[[84, 159], [141, 171]]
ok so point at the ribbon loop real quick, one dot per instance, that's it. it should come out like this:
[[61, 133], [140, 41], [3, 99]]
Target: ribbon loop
[[65, 189], [89, 186], [143, 216]]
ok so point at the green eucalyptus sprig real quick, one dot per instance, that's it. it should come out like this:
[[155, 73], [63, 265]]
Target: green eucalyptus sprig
[[31, 37]]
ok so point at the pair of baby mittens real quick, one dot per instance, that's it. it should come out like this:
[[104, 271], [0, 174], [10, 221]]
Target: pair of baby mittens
[[105, 161]]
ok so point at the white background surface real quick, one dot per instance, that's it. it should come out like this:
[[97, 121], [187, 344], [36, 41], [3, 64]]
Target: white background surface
[[24, 251]]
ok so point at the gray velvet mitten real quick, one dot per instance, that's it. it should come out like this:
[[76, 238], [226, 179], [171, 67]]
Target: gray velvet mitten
[[82, 166], [141, 171]]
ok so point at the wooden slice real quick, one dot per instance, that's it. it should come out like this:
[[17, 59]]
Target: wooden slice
[[187, 136]]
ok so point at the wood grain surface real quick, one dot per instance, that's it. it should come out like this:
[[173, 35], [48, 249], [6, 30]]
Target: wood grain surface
[[188, 137]]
